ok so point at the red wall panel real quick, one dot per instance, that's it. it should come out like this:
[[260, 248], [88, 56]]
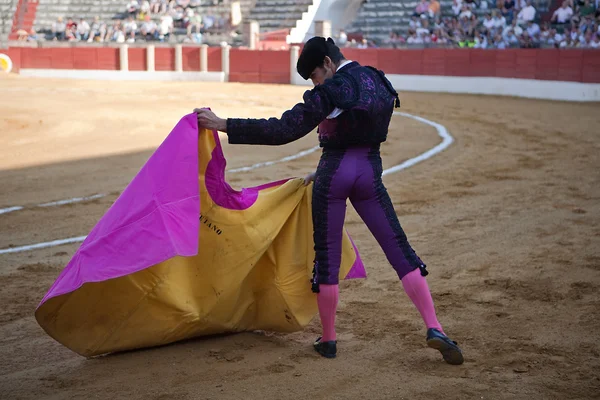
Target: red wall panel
[[62, 58], [547, 64], [190, 58], [570, 65], [591, 66], [482, 62], [410, 62], [214, 59], [244, 66], [108, 58], [137, 59], [164, 59], [36, 58], [85, 58], [388, 60], [274, 66], [457, 63], [526, 63], [506, 63], [434, 62]]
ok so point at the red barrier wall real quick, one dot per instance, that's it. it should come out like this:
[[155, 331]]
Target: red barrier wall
[[269, 66], [214, 59], [190, 57], [137, 59], [259, 66], [164, 59], [104, 58]]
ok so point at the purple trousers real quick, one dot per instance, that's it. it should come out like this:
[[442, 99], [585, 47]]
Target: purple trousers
[[355, 174]]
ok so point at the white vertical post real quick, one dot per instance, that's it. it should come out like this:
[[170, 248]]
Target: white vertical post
[[225, 61], [124, 57], [178, 58], [150, 58], [294, 50], [204, 58]]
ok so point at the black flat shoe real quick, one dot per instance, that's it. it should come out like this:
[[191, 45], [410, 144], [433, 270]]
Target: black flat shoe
[[449, 349], [326, 349]]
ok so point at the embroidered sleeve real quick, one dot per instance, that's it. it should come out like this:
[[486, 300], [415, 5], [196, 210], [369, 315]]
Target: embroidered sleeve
[[293, 124]]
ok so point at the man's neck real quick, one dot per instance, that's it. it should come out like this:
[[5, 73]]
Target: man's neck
[[341, 64]]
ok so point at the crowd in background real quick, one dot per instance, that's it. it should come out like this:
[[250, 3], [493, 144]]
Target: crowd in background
[[153, 20], [512, 23]]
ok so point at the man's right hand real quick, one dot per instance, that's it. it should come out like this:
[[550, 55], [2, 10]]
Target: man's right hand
[[309, 178]]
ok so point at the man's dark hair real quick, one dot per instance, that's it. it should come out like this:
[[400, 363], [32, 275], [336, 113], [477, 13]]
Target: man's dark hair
[[314, 53]]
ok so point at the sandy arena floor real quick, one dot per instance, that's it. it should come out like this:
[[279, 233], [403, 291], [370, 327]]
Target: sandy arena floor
[[507, 219]]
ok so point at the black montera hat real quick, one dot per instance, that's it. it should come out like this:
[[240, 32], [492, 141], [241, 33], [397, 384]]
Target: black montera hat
[[312, 55]]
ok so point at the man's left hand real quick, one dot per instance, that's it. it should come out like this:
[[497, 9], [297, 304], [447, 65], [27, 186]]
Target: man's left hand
[[207, 119]]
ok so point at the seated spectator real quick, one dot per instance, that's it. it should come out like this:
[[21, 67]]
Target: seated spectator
[[422, 8], [145, 7], [178, 14], [149, 30], [166, 27], [155, 6], [511, 38], [438, 37], [22, 35], [518, 31], [571, 33], [499, 21], [533, 29], [130, 29], [71, 33], [595, 43], [132, 8], [456, 7], [195, 22], [567, 42], [465, 12], [563, 14], [527, 13], [472, 4], [414, 23], [424, 29], [95, 29], [586, 25], [488, 22], [586, 40], [500, 42], [555, 37], [480, 41], [508, 10], [526, 42], [58, 29], [71, 24], [413, 38], [434, 9], [83, 30]]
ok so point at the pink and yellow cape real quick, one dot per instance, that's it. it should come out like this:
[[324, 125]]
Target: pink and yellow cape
[[181, 254]]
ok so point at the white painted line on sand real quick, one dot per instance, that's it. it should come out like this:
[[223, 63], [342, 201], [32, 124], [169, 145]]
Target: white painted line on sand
[[447, 140], [10, 209], [268, 163], [73, 200], [43, 245]]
